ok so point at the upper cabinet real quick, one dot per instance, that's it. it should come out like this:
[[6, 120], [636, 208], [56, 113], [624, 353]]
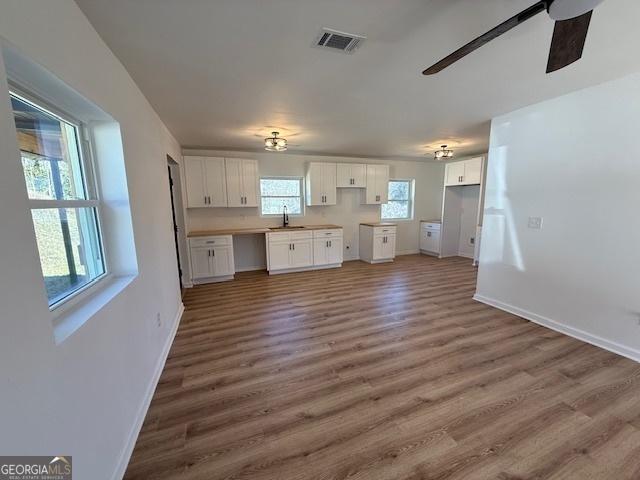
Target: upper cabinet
[[352, 175], [242, 182], [377, 184], [205, 182], [465, 172], [321, 184]]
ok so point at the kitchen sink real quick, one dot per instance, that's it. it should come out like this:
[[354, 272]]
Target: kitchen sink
[[287, 228]]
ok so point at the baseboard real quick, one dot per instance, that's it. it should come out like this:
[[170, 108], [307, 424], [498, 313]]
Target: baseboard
[[305, 269], [251, 268], [407, 252], [125, 456], [464, 255], [565, 329]]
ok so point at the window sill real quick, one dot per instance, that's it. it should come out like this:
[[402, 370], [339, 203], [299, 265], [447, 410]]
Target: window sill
[[68, 321], [397, 219]]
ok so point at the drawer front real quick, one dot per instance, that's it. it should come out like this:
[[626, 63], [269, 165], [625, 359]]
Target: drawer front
[[384, 231], [278, 237], [333, 233], [430, 226], [218, 240], [304, 235]]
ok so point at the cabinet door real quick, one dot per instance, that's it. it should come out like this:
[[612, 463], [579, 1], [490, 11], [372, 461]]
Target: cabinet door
[[222, 261], [301, 254], [371, 195], [454, 173], [473, 171], [329, 183], [382, 183], [320, 251], [215, 181], [279, 255], [359, 175], [334, 252], [378, 248], [200, 263], [194, 182], [344, 177], [233, 167], [430, 240], [390, 246], [315, 196], [250, 183]]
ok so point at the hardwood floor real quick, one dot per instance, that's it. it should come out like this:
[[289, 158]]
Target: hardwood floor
[[383, 372]]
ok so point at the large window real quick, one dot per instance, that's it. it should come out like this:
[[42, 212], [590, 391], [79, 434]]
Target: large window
[[63, 198], [277, 193], [400, 203]]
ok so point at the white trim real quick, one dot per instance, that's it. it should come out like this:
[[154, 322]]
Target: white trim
[[305, 269], [125, 456], [69, 203], [407, 252], [562, 328], [251, 268]]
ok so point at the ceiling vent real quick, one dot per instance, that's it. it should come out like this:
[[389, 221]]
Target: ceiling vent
[[339, 41]]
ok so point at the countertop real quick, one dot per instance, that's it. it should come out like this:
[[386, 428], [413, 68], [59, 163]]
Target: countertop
[[379, 224], [431, 221], [250, 231]]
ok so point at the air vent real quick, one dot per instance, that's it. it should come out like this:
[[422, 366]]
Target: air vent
[[339, 41]]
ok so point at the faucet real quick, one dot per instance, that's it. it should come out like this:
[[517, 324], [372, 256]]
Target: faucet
[[285, 217]]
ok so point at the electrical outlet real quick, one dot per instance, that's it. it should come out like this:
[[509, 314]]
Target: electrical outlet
[[158, 320], [348, 247], [535, 223], [472, 241]]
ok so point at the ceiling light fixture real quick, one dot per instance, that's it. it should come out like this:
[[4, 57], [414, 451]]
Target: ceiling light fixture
[[442, 153], [275, 144]]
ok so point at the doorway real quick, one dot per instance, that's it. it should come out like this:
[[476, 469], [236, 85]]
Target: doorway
[[176, 212]]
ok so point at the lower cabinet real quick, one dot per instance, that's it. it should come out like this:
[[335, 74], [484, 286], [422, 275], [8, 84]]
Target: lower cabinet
[[211, 258], [303, 250], [377, 243], [327, 247]]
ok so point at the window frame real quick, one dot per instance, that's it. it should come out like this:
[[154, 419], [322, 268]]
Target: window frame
[[410, 200], [91, 187], [282, 177]]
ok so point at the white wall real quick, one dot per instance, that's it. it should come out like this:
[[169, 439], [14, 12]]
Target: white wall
[[82, 397], [575, 161], [348, 212]]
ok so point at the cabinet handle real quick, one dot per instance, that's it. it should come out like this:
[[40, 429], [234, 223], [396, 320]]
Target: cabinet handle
[[213, 253], [329, 242], [289, 246], [428, 234], [326, 244], [294, 246]]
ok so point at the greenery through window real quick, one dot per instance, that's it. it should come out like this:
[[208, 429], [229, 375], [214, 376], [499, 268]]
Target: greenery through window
[[277, 193], [400, 203], [64, 206]]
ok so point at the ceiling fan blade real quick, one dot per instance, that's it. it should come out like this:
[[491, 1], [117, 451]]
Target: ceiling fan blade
[[487, 37], [568, 41]]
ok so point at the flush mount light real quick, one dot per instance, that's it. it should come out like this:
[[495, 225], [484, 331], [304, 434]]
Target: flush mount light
[[443, 153], [275, 144]]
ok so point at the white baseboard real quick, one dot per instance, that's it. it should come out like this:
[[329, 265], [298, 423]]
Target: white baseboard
[[562, 328], [407, 252], [464, 255], [251, 268], [125, 456]]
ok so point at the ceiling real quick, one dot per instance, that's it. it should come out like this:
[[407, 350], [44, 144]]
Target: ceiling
[[221, 73]]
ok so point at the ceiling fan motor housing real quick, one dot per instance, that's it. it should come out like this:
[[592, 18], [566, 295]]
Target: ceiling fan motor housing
[[566, 9]]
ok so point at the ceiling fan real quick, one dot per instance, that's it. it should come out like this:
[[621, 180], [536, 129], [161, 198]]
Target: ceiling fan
[[572, 19]]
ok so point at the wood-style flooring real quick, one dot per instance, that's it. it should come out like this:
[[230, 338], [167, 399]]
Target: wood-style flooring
[[382, 372]]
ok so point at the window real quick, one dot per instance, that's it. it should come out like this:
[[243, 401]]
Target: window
[[277, 193], [63, 198], [400, 203]]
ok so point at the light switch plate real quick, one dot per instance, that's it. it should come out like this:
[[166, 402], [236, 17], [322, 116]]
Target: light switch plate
[[535, 223]]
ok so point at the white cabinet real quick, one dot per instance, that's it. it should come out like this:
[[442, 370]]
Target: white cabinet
[[321, 184], [327, 247], [377, 242], [377, 184], [465, 172], [352, 175], [211, 258], [242, 182], [205, 182], [430, 238], [289, 250]]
